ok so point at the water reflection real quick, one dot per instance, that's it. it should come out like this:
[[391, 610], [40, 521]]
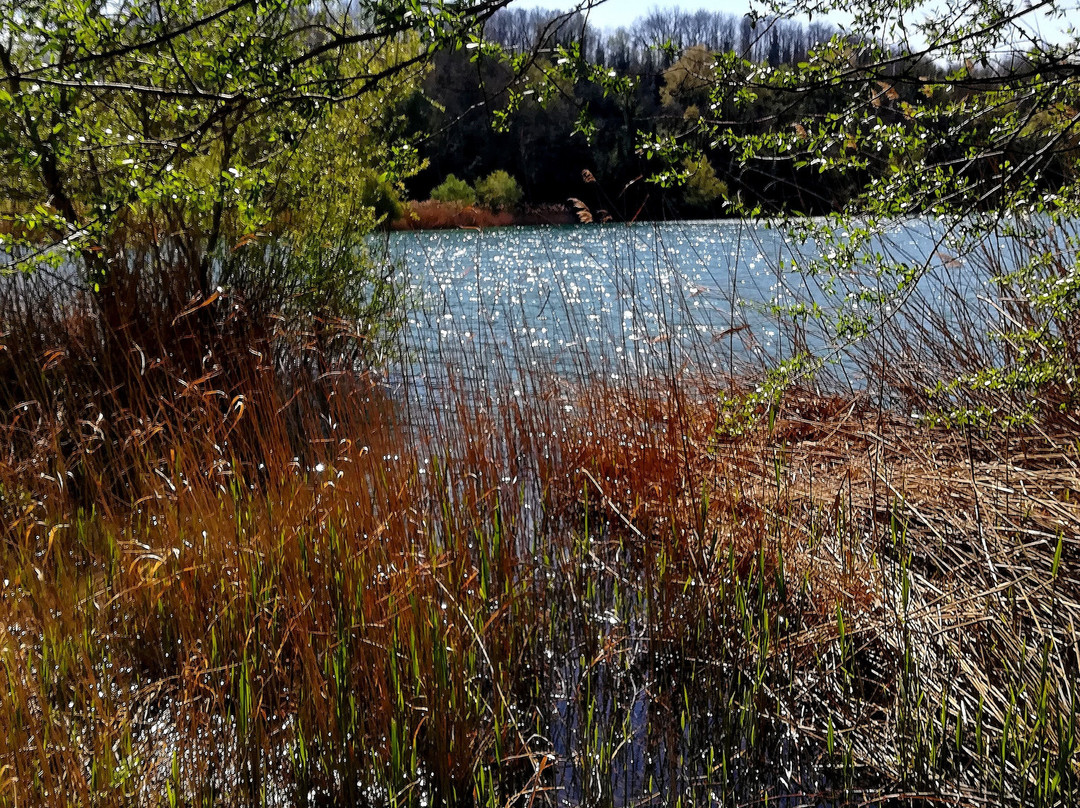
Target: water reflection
[[635, 301]]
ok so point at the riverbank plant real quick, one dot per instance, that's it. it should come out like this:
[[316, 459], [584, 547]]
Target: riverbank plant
[[454, 191], [258, 548], [599, 592], [499, 191]]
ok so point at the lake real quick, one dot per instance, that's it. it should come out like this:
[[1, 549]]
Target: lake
[[634, 299]]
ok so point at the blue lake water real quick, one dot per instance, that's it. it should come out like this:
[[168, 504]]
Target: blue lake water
[[629, 301]]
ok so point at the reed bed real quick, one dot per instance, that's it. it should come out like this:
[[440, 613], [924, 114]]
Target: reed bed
[[431, 214], [244, 567], [434, 215]]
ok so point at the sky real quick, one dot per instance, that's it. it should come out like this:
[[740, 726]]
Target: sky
[[613, 13]]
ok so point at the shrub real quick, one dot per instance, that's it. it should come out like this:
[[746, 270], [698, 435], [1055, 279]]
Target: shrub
[[499, 191], [454, 190], [432, 215], [703, 187]]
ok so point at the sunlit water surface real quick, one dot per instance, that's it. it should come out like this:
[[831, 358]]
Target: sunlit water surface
[[630, 301]]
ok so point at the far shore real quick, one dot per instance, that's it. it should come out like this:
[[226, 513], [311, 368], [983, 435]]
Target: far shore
[[433, 215]]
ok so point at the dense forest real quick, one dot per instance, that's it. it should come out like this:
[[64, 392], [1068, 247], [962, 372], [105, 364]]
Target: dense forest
[[476, 112], [543, 143]]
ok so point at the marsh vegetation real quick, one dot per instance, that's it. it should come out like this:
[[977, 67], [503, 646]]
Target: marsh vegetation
[[294, 513], [476, 576]]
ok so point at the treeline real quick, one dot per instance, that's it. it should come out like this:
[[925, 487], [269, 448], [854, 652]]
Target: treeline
[[546, 143], [600, 142], [650, 41]]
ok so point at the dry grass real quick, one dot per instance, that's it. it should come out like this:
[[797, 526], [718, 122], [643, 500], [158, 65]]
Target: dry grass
[[434, 215], [240, 572], [954, 563]]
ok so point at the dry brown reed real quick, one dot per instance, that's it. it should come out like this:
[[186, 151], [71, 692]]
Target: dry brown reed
[[255, 558], [833, 495], [236, 570], [434, 215]]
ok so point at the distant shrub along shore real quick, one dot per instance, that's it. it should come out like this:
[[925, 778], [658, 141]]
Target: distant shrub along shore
[[434, 215], [494, 201]]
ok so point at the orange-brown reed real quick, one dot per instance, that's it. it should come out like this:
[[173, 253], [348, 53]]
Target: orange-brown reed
[[434, 215], [236, 569], [219, 573]]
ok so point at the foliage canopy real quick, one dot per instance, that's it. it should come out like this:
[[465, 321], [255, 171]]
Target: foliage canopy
[[454, 190], [197, 126]]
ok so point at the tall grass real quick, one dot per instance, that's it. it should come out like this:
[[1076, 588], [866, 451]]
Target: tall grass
[[434, 215], [239, 569]]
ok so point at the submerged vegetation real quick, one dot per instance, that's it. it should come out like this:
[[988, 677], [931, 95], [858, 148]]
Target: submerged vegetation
[[250, 556]]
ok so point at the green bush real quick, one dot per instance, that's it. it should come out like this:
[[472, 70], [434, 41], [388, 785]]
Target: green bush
[[375, 191], [499, 191], [703, 187], [454, 190]]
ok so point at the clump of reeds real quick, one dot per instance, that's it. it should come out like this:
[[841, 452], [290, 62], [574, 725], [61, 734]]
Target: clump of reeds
[[249, 579], [906, 568], [434, 215], [261, 576]]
